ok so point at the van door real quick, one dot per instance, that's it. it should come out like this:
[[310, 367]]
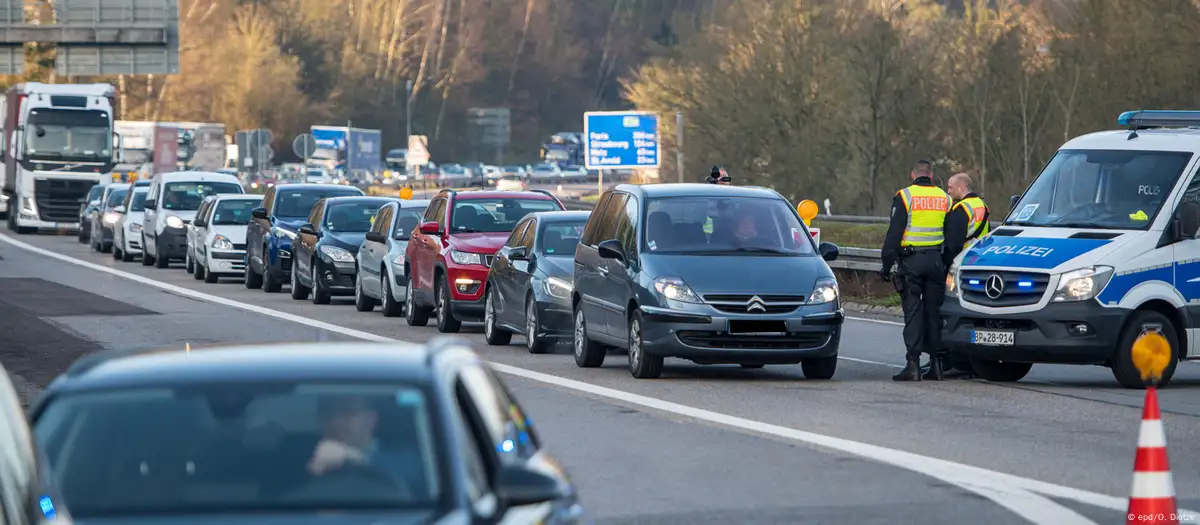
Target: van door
[[1187, 263], [618, 284], [604, 301]]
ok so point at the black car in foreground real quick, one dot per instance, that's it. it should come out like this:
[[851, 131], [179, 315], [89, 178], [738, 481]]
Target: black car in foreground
[[529, 287], [325, 251], [297, 433]]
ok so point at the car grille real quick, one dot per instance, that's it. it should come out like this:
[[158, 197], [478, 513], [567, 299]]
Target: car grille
[[241, 246], [1019, 288], [792, 341], [58, 200], [227, 256], [746, 303]]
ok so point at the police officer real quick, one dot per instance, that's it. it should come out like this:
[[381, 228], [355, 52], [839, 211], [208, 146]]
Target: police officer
[[718, 175], [914, 245]]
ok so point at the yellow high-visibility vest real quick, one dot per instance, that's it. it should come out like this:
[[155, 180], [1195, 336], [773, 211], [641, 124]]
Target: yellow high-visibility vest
[[977, 226], [927, 207], [708, 226]]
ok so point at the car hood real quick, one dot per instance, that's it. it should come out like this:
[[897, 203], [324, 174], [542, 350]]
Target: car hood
[[1054, 250], [753, 275], [185, 215], [290, 224], [348, 240], [235, 234], [309, 518], [479, 242], [561, 267]]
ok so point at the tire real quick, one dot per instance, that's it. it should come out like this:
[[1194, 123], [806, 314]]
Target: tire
[[641, 364], [126, 256], [319, 294], [362, 303], [270, 283], [588, 354], [161, 261], [209, 276], [116, 253], [414, 314], [820, 367], [198, 271], [106, 247], [388, 304], [446, 323], [147, 259], [189, 265], [299, 291], [84, 234], [252, 280], [999, 371], [1122, 361], [533, 325], [494, 335]]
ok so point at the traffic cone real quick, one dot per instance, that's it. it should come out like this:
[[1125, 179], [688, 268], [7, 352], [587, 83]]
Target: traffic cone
[[1152, 500]]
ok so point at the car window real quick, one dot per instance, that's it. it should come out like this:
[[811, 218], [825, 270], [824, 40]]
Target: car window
[[138, 201], [607, 228], [203, 448], [95, 192], [494, 215], [627, 227], [506, 424], [315, 214], [765, 226], [296, 204], [514, 238], [350, 217], [407, 220], [561, 238], [233, 212], [593, 224], [529, 235], [268, 201], [115, 197], [204, 207], [186, 196], [379, 223]]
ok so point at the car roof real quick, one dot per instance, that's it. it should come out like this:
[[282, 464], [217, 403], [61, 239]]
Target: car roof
[[324, 361], [175, 176], [359, 198], [696, 190], [116, 186], [415, 203], [1162, 139], [304, 186], [562, 216], [493, 194], [236, 197]]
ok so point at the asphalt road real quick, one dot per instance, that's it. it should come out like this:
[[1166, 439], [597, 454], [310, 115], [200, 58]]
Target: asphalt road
[[705, 444]]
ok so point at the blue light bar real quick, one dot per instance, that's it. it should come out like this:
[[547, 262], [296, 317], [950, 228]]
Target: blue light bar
[[1153, 118]]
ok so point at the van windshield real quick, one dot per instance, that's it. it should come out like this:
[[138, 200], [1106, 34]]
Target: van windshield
[[720, 225], [1105, 189]]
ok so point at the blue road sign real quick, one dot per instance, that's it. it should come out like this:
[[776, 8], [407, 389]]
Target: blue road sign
[[620, 139]]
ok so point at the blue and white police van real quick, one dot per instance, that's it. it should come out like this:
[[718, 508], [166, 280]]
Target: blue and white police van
[[1102, 247]]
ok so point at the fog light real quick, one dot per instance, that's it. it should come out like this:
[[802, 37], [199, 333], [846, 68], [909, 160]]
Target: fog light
[[1079, 329], [466, 286]]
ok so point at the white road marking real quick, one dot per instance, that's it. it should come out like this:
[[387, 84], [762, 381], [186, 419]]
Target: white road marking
[[878, 321], [1023, 496]]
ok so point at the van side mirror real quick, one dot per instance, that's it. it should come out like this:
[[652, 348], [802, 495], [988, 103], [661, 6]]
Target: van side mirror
[[119, 209], [200, 223], [430, 228], [611, 249], [151, 204], [829, 251], [1012, 201], [259, 213], [1187, 217]]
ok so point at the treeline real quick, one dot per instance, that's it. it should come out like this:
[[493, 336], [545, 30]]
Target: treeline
[[289, 64], [836, 99]]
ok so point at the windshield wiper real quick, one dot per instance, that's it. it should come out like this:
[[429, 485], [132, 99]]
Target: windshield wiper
[[1085, 225], [467, 230], [744, 249]]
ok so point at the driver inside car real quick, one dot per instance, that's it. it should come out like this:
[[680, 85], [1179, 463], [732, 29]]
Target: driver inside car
[[348, 439]]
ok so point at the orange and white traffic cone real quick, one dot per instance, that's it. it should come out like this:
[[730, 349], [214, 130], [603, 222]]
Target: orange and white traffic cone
[[1152, 500]]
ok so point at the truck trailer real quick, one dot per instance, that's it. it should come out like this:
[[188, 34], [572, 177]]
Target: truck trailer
[[58, 142], [347, 150]]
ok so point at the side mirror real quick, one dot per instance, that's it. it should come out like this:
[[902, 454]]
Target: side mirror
[[519, 253], [308, 229], [119, 150], [200, 223], [611, 249], [119, 209], [430, 228], [259, 213], [376, 237], [829, 251], [1188, 219], [151, 204], [1012, 201], [518, 485]]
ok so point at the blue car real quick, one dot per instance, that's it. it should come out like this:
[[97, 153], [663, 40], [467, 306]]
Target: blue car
[[275, 225]]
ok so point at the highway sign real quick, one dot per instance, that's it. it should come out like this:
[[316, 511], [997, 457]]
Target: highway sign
[[418, 151], [304, 145], [620, 140], [491, 126]]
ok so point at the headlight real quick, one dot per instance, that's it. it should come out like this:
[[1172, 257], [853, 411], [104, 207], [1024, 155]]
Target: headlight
[[135, 227], [399, 260], [221, 243], [174, 222], [952, 280], [826, 291], [675, 289], [280, 232], [337, 254], [466, 258], [1082, 284], [111, 218], [558, 287]]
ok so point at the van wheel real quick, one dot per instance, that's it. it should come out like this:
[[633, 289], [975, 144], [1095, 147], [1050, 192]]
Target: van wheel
[[414, 314], [641, 364], [1122, 360], [147, 259], [999, 371], [162, 261], [588, 354]]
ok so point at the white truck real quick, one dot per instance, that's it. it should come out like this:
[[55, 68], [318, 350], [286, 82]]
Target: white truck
[[58, 142]]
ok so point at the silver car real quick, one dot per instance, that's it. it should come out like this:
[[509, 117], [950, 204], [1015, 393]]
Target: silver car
[[381, 278]]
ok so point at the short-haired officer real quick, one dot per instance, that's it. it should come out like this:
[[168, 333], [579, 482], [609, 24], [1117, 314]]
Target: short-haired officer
[[914, 245], [718, 175]]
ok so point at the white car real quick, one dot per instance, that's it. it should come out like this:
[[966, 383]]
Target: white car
[[216, 242], [511, 183], [174, 199], [127, 231]]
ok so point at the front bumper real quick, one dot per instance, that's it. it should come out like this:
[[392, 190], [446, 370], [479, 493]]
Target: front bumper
[[106, 232], [226, 261], [337, 278], [399, 283], [279, 259], [705, 337], [555, 318], [133, 242], [1049, 335], [470, 310], [171, 244]]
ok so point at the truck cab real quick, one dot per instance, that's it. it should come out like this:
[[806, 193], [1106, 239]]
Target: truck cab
[[57, 142], [1100, 253]]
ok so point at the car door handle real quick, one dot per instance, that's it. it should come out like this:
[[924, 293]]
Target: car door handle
[[602, 270]]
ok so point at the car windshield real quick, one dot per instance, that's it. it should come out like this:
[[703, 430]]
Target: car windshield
[[95, 192], [138, 203], [214, 448], [1108, 189], [407, 220], [298, 204], [739, 225], [190, 195], [559, 239], [454, 169], [351, 217], [495, 215], [234, 212], [116, 197]]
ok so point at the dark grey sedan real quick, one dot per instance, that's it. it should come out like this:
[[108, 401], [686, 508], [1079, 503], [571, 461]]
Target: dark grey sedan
[[529, 286]]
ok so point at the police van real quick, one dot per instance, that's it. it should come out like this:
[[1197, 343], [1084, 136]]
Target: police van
[[1101, 248]]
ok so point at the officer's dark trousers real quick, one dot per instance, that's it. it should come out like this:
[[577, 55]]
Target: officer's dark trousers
[[921, 281]]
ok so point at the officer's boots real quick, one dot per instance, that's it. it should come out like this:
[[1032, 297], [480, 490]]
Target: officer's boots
[[937, 370], [911, 372]]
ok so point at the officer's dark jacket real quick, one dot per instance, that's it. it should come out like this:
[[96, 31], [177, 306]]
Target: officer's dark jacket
[[956, 231], [891, 242]]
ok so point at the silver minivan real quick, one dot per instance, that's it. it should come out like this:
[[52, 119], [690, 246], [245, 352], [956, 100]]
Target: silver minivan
[[381, 278]]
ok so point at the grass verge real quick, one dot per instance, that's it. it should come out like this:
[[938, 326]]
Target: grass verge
[[865, 288], [855, 235]]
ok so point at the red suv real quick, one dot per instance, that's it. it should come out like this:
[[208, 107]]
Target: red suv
[[448, 258]]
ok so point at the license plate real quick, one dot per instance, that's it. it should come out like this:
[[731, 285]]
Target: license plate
[[984, 337]]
